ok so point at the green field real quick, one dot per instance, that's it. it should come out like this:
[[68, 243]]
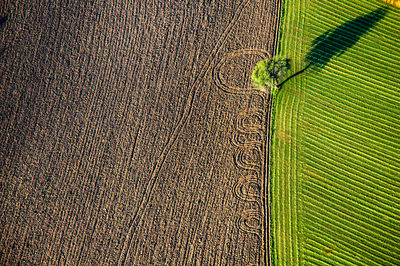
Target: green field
[[335, 173]]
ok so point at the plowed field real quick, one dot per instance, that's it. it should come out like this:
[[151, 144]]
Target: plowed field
[[130, 133]]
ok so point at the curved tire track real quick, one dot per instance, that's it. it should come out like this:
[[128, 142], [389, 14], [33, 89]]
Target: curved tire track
[[181, 124]]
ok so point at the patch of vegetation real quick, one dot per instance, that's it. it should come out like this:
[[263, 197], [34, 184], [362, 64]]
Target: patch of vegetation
[[268, 72], [335, 183], [393, 2]]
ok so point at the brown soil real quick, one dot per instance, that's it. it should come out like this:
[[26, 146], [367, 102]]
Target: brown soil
[[130, 133]]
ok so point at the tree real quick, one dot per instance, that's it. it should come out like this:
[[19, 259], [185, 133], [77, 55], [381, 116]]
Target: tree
[[267, 73]]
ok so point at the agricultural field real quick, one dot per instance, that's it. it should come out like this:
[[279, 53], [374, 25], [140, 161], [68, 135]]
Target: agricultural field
[[130, 132], [335, 152]]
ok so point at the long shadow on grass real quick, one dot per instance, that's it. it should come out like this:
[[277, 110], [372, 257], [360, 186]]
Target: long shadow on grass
[[335, 42]]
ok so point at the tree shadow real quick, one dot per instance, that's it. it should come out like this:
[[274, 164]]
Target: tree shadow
[[335, 42]]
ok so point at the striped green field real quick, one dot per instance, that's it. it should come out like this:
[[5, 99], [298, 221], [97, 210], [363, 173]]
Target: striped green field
[[335, 151]]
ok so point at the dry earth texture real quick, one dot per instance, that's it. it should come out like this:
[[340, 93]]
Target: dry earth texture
[[130, 133], [335, 148]]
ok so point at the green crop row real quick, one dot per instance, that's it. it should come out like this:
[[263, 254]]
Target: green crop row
[[335, 137]]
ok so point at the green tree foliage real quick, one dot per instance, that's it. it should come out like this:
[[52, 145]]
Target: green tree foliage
[[267, 73]]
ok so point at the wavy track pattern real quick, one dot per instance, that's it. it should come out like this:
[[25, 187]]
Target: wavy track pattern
[[335, 148], [182, 122]]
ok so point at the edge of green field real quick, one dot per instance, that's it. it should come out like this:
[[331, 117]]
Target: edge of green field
[[335, 163]]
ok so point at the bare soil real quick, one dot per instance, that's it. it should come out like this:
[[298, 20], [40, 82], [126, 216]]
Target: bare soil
[[130, 133]]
